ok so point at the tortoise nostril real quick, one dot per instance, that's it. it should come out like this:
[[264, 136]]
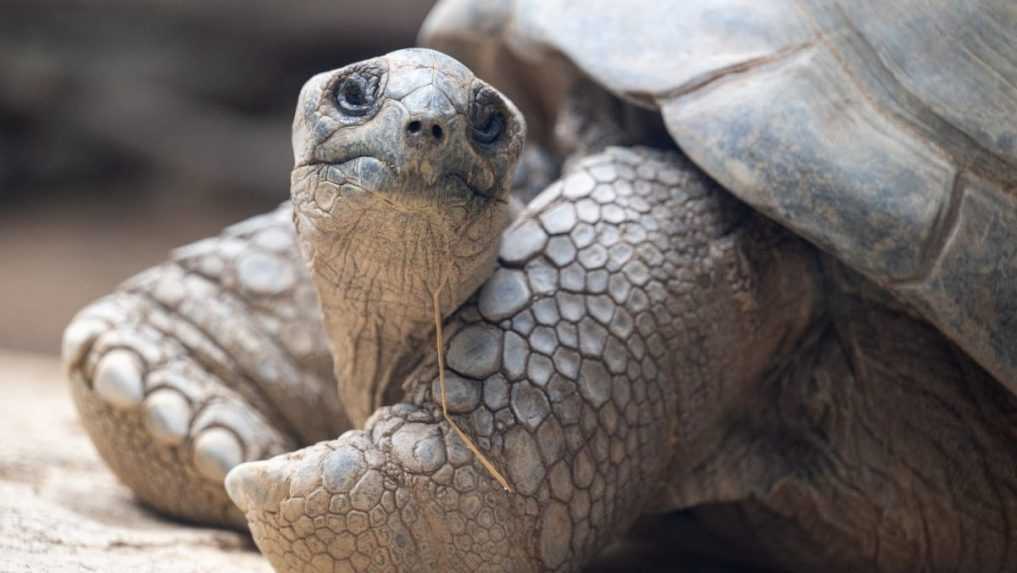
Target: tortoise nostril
[[419, 129]]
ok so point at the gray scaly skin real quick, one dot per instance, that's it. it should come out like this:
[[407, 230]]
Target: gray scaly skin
[[645, 343]]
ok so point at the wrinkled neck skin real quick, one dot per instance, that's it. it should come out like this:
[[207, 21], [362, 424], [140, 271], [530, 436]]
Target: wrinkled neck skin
[[376, 262]]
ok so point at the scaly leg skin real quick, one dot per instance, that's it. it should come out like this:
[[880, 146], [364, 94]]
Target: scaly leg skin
[[562, 369], [214, 358]]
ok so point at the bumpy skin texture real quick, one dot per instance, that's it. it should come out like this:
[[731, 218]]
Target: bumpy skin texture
[[211, 359], [614, 286]]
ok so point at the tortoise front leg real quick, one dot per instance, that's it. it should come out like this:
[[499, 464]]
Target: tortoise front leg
[[563, 369]]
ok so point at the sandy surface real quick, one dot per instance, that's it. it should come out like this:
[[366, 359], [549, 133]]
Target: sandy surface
[[62, 510]]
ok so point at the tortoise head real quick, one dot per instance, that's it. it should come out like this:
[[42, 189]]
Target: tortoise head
[[400, 188]]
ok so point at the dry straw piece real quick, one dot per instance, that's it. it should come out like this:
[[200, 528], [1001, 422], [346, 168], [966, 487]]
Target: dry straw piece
[[440, 347]]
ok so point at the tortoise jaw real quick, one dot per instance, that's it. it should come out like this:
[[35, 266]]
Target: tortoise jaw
[[366, 172], [373, 174], [318, 187]]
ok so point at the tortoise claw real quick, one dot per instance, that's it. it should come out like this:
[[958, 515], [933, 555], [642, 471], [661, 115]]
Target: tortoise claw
[[118, 379], [167, 416], [78, 339], [216, 452]]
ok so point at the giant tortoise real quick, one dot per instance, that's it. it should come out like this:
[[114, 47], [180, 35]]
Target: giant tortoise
[[774, 288]]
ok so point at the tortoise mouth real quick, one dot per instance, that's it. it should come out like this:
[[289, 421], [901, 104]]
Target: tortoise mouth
[[369, 173], [324, 185], [362, 173], [458, 183]]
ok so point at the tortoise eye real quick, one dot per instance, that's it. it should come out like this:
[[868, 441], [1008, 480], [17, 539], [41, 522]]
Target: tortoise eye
[[487, 117], [356, 94], [490, 129]]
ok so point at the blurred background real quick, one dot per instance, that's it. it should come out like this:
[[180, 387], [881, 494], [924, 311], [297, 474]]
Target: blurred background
[[129, 127]]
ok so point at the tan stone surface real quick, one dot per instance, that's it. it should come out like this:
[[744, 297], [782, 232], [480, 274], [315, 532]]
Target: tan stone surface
[[62, 510]]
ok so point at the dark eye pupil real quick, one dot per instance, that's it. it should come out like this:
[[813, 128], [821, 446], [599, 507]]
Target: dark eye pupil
[[489, 129], [355, 95]]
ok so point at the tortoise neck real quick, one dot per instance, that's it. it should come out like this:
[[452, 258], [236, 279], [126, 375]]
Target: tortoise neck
[[376, 269], [379, 321], [372, 354]]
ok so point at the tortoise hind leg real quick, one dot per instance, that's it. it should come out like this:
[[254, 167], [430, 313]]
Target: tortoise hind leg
[[204, 362]]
